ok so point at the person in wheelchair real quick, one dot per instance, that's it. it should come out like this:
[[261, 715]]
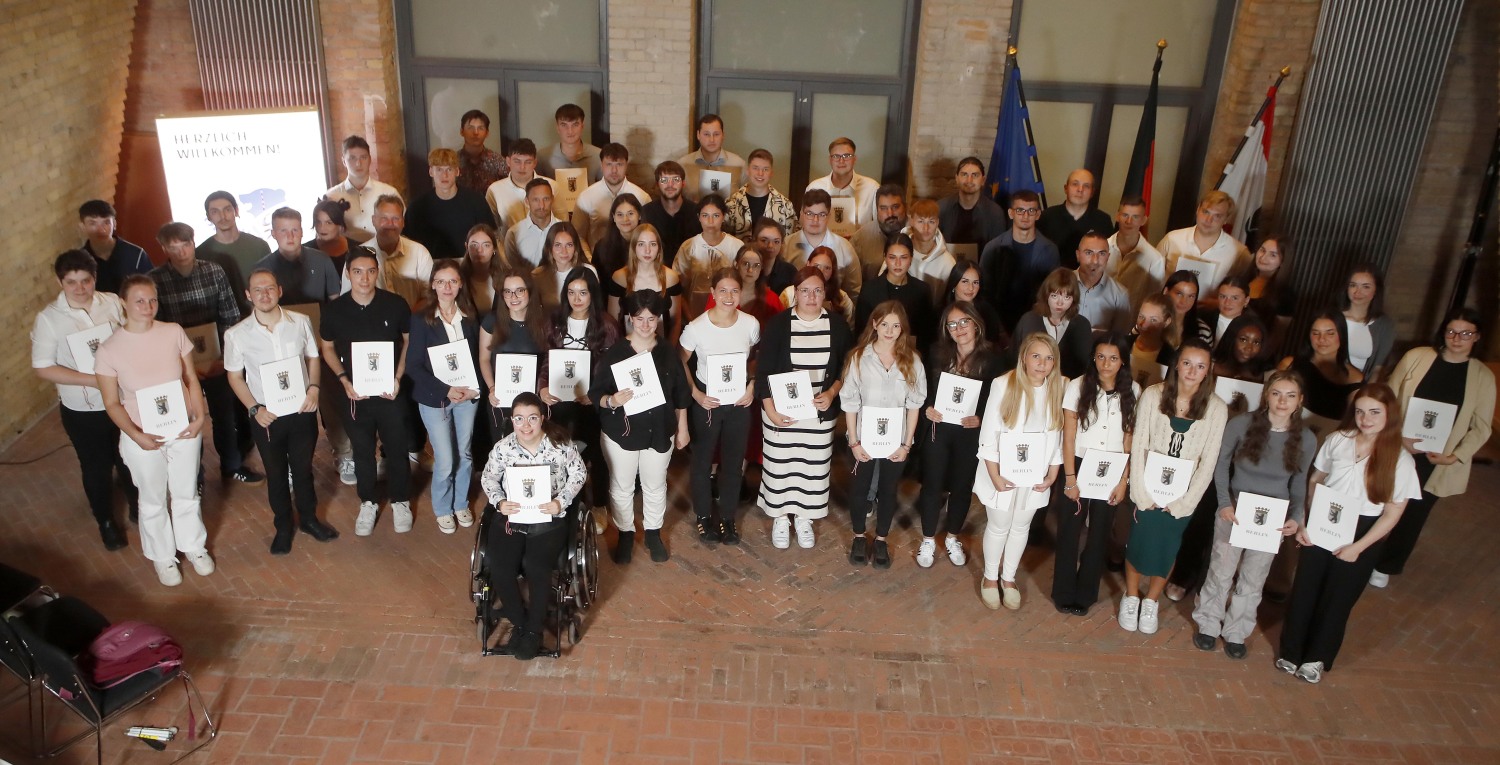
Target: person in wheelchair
[[529, 548]]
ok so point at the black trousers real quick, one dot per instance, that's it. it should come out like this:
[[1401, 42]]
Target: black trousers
[[883, 474], [510, 554], [724, 431], [1323, 595], [289, 443], [1191, 567], [96, 440], [386, 419], [230, 421], [1403, 539], [582, 422], [949, 455], [1075, 577]]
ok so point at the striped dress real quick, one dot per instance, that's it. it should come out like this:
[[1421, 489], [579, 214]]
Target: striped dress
[[798, 460]]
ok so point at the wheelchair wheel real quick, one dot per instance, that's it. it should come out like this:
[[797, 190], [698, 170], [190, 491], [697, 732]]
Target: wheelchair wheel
[[479, 584], [584, 559]]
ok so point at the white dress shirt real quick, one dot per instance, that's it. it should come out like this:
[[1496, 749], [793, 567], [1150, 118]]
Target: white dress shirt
[[49, 342], [524, 240], [358, 223], [249, 345]]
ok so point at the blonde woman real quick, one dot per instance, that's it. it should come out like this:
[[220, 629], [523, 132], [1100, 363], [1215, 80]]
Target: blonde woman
[[1027, 399]]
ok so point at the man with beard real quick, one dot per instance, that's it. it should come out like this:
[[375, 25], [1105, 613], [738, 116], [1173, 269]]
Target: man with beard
[[890, 219], [674, 217], [971, 217]]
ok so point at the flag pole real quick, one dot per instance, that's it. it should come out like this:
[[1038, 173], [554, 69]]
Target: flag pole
[[1286, 70], [1036, 164], [1472, 247]]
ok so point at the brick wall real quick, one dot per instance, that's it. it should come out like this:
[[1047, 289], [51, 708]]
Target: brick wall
[[64, 67], [364, 95], [652, 76], [163, 65]]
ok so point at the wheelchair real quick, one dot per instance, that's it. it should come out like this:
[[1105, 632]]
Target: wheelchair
[[575, 585]]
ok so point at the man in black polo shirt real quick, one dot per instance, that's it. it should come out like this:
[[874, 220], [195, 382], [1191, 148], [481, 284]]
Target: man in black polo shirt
[[304, 274], [114, 257], [674, 216], [1065, 224], [367, 313]]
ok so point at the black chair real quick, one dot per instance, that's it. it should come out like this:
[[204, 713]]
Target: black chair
[[97, 707], [575, 585], [67, 622], [16, 586]]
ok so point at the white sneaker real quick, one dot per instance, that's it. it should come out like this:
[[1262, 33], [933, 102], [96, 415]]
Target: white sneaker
[[1149, 617], [401, 516], [1312, 671], [955, 550], [465, 517], [925, 552], [346, 472], [202, 562], [1380, 580], [168, 573], [446, 525], [364, 525], [781, 532], [601, 520], [1130, 613], [1176, 593], [805, 537]]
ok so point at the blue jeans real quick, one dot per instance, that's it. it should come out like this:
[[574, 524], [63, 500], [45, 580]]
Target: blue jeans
[[450, 429]]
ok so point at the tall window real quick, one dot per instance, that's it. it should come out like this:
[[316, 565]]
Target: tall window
[[789, 76], [515, 60], [1086, 84]]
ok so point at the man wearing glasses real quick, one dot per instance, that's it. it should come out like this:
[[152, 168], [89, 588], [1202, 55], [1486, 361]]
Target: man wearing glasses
[[843, 182], [814, 234], [674, 217], [1016, 262]]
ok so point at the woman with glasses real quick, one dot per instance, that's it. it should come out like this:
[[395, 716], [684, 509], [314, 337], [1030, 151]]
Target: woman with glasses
[[447, 316], [1447, 373], [799, 453], [562, 251], [1369, 333], [1055, 314], [836, 301], [950, 447], [1328, 376], [517, 325], [640, 445], [963, 286], [531, 548]]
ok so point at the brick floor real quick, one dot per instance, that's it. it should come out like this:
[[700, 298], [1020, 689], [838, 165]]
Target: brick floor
[[363, 651]]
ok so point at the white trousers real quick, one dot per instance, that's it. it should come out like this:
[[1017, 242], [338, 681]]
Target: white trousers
[[624, 466], [168, 474], [1006, 529]]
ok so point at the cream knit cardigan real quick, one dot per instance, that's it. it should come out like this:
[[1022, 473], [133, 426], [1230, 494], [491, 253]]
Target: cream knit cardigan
[[1153, 432]]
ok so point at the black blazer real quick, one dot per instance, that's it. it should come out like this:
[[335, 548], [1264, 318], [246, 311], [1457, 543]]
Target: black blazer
[[775, 356], [1076, 346], [426, 388]]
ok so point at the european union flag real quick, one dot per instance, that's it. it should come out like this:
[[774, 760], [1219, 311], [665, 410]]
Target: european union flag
[[1013, 163]]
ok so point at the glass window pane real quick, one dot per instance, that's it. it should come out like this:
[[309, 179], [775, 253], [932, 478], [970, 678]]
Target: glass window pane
[[828, 37], [760, 119], [554, 32], [448, 99], [536, 106], [1055, 47], [1061, 131], [860, 118], [1171, 126]]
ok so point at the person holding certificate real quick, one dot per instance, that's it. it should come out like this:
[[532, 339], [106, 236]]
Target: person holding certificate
[[798, 453], [1448, 374], [64, 340], [161, 433], [950, 448], [884, 387], [518, 325], [562, 251], [702, 256], [1179, 425], [645, 270], [530, 548], [1266, 452], [640, 445], [267, 357], [1098, 415], [1368, 331], [1326, 370], [447, 404], [1020, 450], [1362, 460], [719, 344]]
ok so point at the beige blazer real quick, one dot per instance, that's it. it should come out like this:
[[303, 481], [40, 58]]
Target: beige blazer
[[1470, 429]]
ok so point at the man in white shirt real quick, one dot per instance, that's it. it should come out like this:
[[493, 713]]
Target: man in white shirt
[[524, 240], [710, 154], [931, 262], [359, 190], [507, 196], [890, 219], [570, 152], [1206, 248], [405, 266], [1133, 262], [814, 233], [591, 216], [843, 182], [1101, 299]]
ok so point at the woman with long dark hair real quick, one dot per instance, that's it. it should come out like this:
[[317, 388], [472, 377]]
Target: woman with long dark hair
[[483, 266], [756, 296], [1098, 413], [1182, 289], [1272, 296], [330, 234], [562, 251], [447, 316], [517, 325], [1328, 376], [1055, 314], [613, 249], [1369, 333], [1363, 459], [963, 286], [702, 256]]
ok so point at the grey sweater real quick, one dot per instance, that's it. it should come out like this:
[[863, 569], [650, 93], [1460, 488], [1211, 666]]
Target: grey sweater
[[1269, 476]]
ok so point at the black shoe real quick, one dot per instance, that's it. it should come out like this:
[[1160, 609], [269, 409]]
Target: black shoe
[[319, 530], [1063, 608], [1078, 610], [654, 544], [1235, 650], [623, 547], [245, 475], [514, 640], [708, 531], [882, 556], [1275, 596], [1205, 642], [728, 534], [282, 544], [111, 535], [528, 646], [857, 551]]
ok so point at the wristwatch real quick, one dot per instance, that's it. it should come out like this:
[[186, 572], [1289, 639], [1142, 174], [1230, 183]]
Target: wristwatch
[[255, 409]]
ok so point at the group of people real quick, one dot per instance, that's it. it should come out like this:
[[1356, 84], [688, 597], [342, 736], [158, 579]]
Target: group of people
[[984, 351]]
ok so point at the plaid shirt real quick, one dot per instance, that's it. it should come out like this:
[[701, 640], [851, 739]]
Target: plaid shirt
[[568, 472], [203, 296]]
